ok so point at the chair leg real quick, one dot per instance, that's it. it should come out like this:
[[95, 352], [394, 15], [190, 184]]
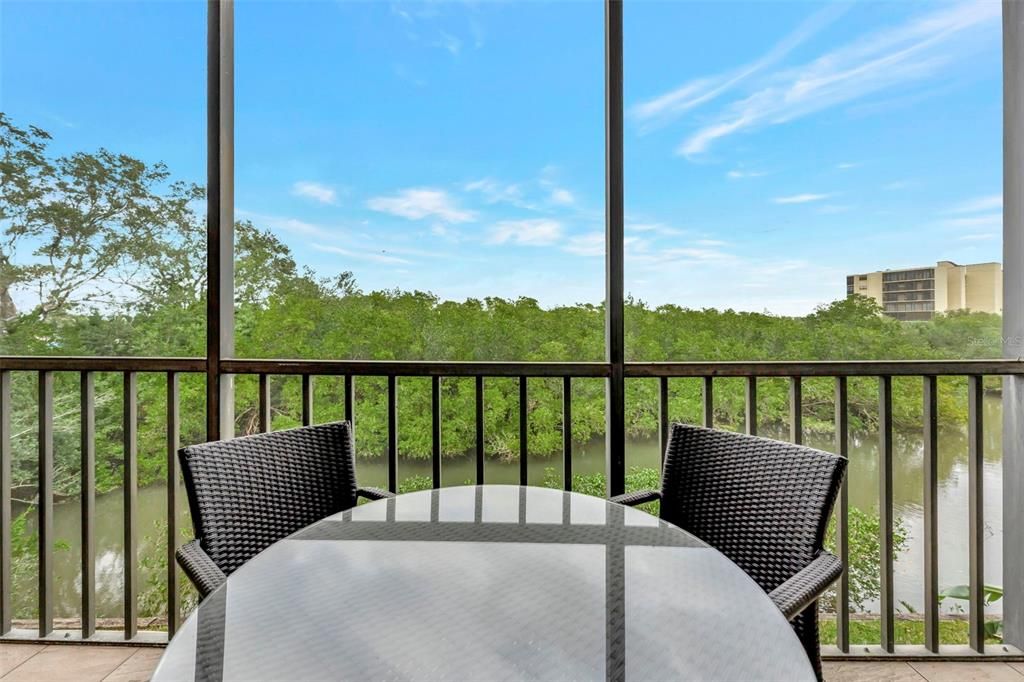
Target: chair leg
[[806, 627]]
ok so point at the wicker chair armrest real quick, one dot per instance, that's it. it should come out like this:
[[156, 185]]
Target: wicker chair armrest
[[199, 568], [804, 588], [372, 493], [635, 498]]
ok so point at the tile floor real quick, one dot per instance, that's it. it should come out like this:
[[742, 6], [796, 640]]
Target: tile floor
[[89, 663]]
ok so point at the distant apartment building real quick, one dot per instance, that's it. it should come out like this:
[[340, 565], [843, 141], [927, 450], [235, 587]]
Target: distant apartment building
[[919, 293]]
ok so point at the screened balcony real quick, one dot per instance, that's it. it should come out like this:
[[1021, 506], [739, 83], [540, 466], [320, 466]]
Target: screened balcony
[[91, 503]]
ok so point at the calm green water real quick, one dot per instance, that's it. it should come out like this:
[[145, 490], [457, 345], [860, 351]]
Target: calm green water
[[589, 458]]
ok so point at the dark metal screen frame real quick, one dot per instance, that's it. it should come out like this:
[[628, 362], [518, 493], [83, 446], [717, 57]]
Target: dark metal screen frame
[[220, 214], [615, 352]]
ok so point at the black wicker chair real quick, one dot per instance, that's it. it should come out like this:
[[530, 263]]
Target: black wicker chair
[[247, 493], [765, 505]]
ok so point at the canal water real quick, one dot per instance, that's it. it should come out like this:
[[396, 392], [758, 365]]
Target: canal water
[[587, 459]]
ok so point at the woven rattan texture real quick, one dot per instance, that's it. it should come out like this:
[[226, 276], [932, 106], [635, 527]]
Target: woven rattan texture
[[247, 493], [763, 503], [199, 568], [638, 497], [804, 588]]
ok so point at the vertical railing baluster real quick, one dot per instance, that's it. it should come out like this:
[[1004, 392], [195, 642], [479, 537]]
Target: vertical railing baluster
[[796, 411], [87, 391], [976, 517], [173, 441], [708, 402], [842, 446], [350, 402], [751, 406], [307, 399], [662, 417], [45, 507], [435, 411], [393, 433], [931, 513], [567, 434], [885, 467], [5, 502], [479, 430], [131, 494], [523, 432], [264, 403]]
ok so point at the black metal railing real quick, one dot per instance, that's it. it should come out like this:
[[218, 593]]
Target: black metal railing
[[751, 372], [86, 368]]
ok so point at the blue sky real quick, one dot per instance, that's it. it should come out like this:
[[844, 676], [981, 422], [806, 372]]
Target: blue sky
[[771, 147]]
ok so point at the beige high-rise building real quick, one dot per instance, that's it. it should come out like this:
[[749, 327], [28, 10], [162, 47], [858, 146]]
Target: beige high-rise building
[[919, 293]]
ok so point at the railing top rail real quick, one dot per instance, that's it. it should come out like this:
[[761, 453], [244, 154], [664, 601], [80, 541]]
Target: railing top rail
[[825, 368], [65, 363], [427, 368], [415, 368]]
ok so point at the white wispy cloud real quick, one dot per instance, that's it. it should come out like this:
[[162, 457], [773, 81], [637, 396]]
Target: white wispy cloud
[[417, 203], [562, 196], [316, 191], [711, 242], [680, 255], [429, 24], [287, 224], [983, 216], [667, 106], [898, 185], [991, 202], [532, 194], [590, 244], [800, 198], [660, 229], [880, 60], [358, 245], [984, 220], [371, 256], [557, 194], [445, 232], [532, 232], [741, 174], [847, 165], [401, 13], [495, 192], [446, 41]]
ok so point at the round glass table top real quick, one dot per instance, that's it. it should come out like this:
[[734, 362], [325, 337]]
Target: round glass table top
[[488, 582]]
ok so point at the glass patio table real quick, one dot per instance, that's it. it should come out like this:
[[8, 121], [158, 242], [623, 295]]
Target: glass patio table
[[489, 582]]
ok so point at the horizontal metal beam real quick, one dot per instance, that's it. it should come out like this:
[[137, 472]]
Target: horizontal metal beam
[[815, 368], [62, 363], [412, 368], [417, 368]]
